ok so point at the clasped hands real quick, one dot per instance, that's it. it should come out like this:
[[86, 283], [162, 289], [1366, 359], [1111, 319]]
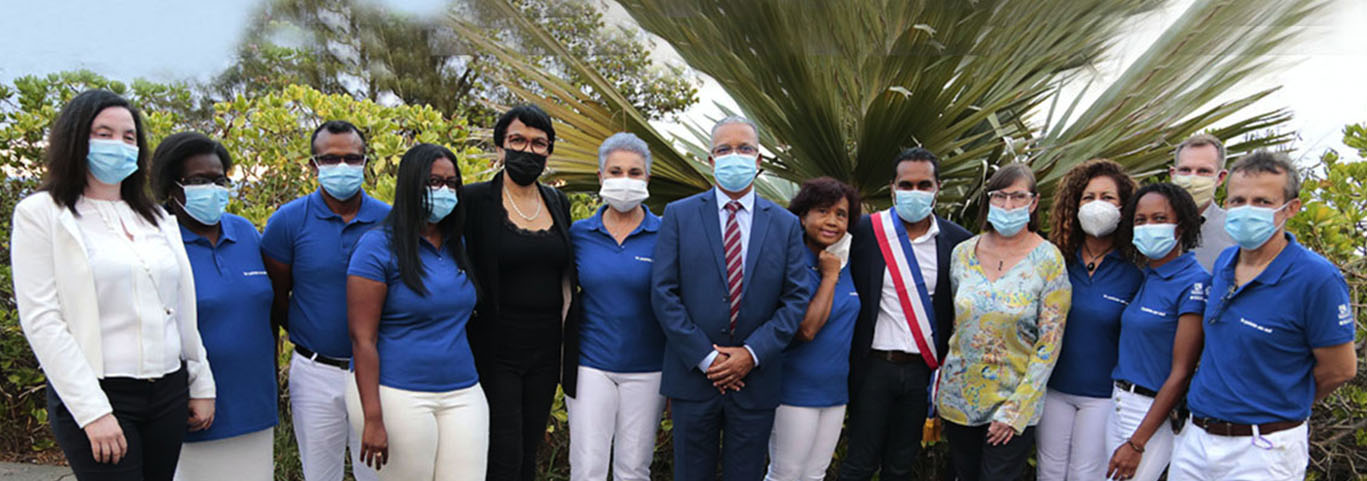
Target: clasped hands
[[730, 366]]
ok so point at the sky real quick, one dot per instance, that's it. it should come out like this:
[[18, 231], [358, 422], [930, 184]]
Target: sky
[[167, 40]]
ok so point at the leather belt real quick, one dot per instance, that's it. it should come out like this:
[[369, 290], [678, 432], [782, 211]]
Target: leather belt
[[1224, 428], [896, 357], [1135, 388], [344, 364]]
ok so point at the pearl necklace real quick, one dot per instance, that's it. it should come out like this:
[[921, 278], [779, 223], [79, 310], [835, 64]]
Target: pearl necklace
[[519, 211]]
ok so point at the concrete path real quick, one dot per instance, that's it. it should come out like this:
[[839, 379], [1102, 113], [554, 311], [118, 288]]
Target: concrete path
[[34, 472]]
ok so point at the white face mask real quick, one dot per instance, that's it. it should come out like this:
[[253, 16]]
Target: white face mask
[[1098, 217], [623, 193]]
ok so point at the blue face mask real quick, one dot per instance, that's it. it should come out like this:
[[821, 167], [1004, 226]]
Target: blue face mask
[[1008, 222], [440, 202], [111, 161], [734, 172], [913, 205], [341, 181], [1252, 226], [1155, 240], [205, 203]]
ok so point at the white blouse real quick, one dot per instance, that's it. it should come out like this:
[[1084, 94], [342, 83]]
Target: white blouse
[[137, 285]]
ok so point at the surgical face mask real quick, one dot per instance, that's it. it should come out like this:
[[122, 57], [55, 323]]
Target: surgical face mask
[[1201, 188], [111, 161], [1251, 226], [624, 194], [1008, 222], [205, 203], [341, 181], [1155, 240], [734, 172], [1098, 217], [440, 202], [913, 205]]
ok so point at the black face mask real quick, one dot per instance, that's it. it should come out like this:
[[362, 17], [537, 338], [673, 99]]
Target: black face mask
[[523, 167]]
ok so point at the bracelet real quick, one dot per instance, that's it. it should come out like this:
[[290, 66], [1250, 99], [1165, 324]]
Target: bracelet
[[1137, 448]]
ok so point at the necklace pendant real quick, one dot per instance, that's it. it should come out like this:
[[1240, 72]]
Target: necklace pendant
[[1091, 266]]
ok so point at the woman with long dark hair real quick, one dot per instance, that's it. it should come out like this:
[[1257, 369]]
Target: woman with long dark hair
[[233, 294], [417, 401], [107, 300], [1077, 406], [524, 336]]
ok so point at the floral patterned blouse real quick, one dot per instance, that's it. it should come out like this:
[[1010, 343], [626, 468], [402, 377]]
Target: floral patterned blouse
[[1006, 338]]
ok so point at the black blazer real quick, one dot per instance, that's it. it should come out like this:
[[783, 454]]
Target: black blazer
[[866, 269], [484, 217]]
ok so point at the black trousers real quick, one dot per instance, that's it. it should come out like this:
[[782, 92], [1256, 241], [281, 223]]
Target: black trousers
[[519, 382], [152, 414], [887, 416], [974, 459]]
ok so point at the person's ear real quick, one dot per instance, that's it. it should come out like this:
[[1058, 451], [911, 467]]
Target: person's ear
[[1220, 177], [1172, 172], [501, 154]]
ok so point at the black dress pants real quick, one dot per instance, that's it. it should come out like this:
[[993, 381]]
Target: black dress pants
[[886, 420], [519, 380], [152, 414], [974, 459]]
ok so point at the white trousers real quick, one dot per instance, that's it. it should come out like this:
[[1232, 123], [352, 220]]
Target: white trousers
[[803, 442], [613, 416], [318, 406], [433, 436], [245, 457], [1070, 437], [1130, 409], [1201, 456]]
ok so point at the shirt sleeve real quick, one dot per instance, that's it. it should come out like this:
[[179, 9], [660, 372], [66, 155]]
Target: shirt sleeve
[[1193, 299], [1328, 318], [371, 257], [1025, 403], [278, 240]]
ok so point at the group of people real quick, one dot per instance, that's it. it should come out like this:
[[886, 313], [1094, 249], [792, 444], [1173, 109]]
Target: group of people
[[1151, 331]]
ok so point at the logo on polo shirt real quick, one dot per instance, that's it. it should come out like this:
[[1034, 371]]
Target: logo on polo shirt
[[1115, 299], [645, 259], [253, 273], [1151, 311], [1254, 325], [1345, 315]]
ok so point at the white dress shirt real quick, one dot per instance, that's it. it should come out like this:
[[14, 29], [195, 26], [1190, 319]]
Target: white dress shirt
[[743, 216], [137, 287], [890, 330]]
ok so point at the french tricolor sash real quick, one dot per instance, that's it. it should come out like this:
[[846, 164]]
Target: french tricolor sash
[[906, 273]]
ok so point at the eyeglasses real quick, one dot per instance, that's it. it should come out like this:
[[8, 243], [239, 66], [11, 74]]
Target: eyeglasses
[[220, 181], [452, 182], [744, 149], [334, 159], [518, 142], [1002, 199]]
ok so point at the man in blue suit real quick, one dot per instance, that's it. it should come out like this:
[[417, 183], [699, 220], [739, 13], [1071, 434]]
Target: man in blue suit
[[727, 288]]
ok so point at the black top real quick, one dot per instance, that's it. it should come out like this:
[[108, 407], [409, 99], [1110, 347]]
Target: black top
[[531, 266], [485, 220]]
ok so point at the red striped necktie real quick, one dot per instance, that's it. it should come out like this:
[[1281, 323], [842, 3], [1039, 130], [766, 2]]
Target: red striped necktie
[[735, 265]]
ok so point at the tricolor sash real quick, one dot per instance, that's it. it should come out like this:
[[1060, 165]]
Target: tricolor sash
[[906, 273]]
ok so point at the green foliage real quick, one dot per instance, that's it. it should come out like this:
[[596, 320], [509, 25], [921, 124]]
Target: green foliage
[[368, 50], [1333, 222]]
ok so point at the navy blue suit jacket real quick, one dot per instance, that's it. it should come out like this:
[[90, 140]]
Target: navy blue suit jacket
[[689, 296]]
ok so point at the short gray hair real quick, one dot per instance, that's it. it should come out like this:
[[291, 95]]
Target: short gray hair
[[734, 119], [1263, 161], [1201, 140], [625, 142]]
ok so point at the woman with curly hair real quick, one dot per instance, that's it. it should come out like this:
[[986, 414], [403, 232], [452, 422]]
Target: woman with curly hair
[[1077, 404], [1160, 331]]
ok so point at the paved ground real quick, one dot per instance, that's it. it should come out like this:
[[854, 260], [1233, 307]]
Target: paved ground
[[34, 472]]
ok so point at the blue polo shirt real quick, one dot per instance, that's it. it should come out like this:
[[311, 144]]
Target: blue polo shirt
[[421, 338], [619, 332], [233, 305], [1258, 362], [815, 373], [317, 244], [1148, 327], [1092, 331]]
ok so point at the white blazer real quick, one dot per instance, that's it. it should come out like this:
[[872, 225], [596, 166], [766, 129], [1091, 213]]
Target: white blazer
[[55, 291]]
